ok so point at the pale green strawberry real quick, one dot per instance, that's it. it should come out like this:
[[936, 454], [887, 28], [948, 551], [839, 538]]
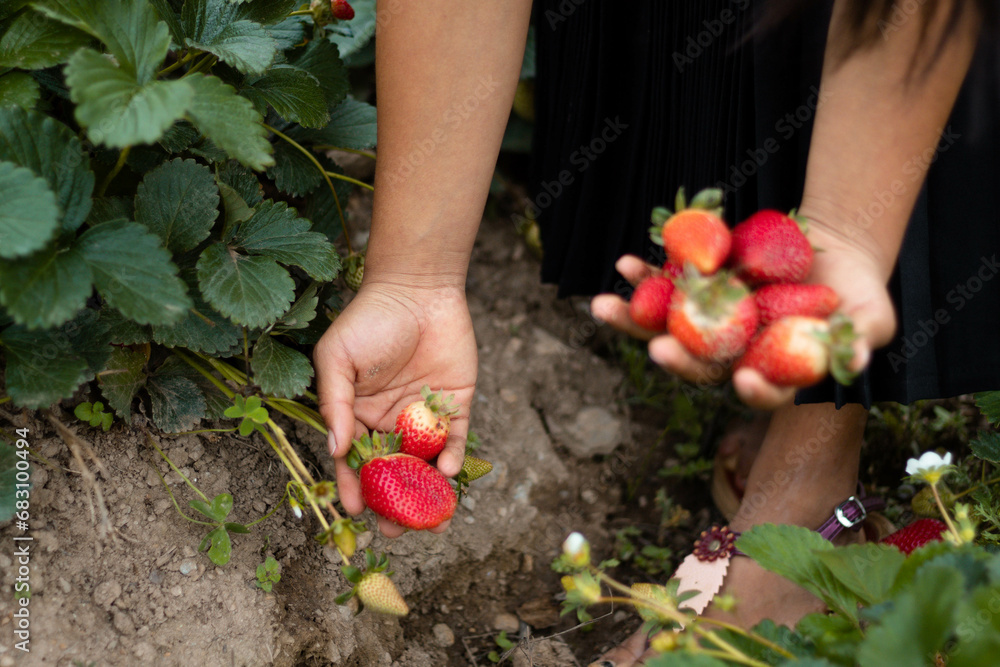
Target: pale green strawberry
[[354, 270], [377, 592]]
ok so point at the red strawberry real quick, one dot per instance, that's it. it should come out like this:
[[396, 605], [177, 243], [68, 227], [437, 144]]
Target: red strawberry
[[673, 271], [798, 351], [341, 10], [402, 488], [770, 247], [916, 535], [424, 425], [714, 317], [650, 303], [777, 301], [695, 233]]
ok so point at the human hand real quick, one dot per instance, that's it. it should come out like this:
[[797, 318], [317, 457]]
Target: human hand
[[847, 267], [390, 341]]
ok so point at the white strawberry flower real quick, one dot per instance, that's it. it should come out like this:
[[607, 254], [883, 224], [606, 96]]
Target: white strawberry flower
[[930, 467]]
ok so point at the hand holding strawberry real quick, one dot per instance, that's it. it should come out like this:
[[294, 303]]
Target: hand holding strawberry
[[375, 358]]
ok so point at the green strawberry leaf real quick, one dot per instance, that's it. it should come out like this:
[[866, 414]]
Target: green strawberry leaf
[[167, 14], [918, 624], [30, 215], [214, 26], [290, 32], [8, 480], [106, 209], [295, 94], [177, 403], [202, 329], [132, 31], [243, 181], [295, 174], [303, 311], [42, 366], [230, 121], [266, 12], [279, 370], [352, 36], [321, 59], [123, 330], [117, 110], [178, 201], [50, 150], [47, 288], [867, 570], [90, 337], [321, 209], [133, 272], [236, 528], [352, 125], [276, 231], [987, 446], [33, 41], [216, 402], [121, 380], [18, 89], [989, 403], [252, 290]]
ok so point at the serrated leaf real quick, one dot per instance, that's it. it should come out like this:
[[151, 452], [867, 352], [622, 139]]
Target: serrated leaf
[[276, 231], [303, 311], [294, 93], [50, 150], [134, 273], [214, 26], [918, 624], [352, 125], [321, 59], [352, 36], [33, 41], [46, 289], [18, 89], [791, 552], [177, 403], [867, 570], [987, 446], [290, 32], [203, 330], [122, 379], [977, 611], [117, 110], [989, 403], [89, 337], [179, 137], [42, 367], [293, 173], [321, 209], [8, 481], [132, 31], [280, 370], [167, 14], [243, 181], [236, 209], [230, 121], [178, 201], [266, 12], [106, 209], [215, 400], [123, 330], [252, 290], [29, 216]]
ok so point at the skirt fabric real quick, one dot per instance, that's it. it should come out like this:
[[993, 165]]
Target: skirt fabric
[[636, 100]]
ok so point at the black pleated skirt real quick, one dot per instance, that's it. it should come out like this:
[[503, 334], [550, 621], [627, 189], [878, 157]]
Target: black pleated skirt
[[636, 99]]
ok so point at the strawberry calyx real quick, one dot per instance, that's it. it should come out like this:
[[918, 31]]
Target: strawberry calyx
[[373, 446], [373, 587], [840, 340], [716, 295], [709, 200], [437, 403]]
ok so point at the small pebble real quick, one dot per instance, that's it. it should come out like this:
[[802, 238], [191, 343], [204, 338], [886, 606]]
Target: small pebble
[[188, 566], [506, 622], [443, 636], [177, 591]]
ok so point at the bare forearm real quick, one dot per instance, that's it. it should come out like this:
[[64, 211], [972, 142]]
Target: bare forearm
[[881, 116], [446, 72]]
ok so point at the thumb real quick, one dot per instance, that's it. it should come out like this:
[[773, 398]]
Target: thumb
[[875, 324], [335, 375]]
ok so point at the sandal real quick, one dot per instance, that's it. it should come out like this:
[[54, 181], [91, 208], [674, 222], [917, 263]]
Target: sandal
[[705, 569]]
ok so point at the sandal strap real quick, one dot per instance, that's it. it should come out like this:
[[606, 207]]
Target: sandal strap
[[849, 514]]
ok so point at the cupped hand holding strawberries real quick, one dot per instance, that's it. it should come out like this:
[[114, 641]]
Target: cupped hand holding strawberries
[[757, 305], [375, 358]]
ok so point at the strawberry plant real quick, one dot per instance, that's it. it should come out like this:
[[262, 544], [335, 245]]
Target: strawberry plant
[[94, 414], [268, 574]]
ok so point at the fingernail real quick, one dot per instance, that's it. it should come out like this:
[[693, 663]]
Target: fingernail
[[331, 443]]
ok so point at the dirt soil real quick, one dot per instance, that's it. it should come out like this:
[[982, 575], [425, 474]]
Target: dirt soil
[[548, 411]]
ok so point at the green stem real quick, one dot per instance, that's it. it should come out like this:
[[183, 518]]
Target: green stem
[[301, 12], [114, 171], [739, 659], [174, 501], [230, 394], [945, 515], [978, 486], [342, 177], [246, 351], [328, 147], [754, 637], [205, 63], [295, 414], [207, 430], [180, 63], [5, 399], [170, 463], [312, 158]]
